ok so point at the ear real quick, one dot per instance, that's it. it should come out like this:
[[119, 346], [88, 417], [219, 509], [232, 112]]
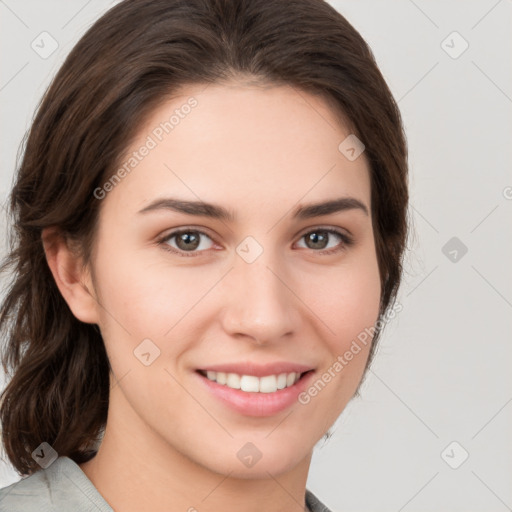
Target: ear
[[74, 282]]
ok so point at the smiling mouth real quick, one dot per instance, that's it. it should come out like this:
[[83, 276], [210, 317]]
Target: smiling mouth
[[252, 383]]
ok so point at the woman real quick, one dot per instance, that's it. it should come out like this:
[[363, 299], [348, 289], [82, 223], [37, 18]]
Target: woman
[[210, 217]]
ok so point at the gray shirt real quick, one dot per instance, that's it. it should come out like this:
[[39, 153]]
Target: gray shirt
[[63, 486]]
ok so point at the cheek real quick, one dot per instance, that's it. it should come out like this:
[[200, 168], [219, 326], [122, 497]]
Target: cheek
[[348, 307], [347, 300], [141, 297]]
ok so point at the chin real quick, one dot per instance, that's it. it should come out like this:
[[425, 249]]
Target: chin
[[251, 462]]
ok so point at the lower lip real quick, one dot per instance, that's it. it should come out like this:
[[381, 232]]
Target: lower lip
[[257, 404]]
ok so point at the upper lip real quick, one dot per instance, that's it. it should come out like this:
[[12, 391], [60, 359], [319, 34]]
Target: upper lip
[[258, 370]]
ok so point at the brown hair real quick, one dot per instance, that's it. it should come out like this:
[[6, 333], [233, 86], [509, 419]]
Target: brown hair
[[134, 57]]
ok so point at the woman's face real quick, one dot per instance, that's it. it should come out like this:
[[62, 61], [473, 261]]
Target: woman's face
[[264, 293]]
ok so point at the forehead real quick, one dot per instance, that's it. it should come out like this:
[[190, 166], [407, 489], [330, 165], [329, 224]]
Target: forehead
[[242, 146]]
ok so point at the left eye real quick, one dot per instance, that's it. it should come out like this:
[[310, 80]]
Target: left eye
[[189, 241], [319, 237]]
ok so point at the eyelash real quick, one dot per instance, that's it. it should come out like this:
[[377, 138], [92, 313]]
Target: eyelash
[[347, 241]]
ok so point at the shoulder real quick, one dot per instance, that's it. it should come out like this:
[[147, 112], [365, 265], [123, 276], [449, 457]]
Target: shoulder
[[61, 486], [28, 494], [314, 504]]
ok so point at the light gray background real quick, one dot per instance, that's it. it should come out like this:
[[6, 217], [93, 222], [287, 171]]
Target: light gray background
[[442, 372]]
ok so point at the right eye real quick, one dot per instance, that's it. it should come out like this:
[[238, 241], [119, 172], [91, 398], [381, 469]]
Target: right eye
[[186, 241]]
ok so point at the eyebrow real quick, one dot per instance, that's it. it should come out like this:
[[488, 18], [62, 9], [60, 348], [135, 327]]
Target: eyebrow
[[202, 209]]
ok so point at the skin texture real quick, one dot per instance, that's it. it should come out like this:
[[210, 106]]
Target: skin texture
[[261, 152]]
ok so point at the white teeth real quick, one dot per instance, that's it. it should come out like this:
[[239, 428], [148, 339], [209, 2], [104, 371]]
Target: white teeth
[[281, 381], [249, 383], [252, 384], [233, 381], [268, 384]]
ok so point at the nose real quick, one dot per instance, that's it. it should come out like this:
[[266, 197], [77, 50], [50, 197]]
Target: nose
[[260, 304]]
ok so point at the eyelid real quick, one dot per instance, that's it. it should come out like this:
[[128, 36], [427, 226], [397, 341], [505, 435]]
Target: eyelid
[[326, 227]]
